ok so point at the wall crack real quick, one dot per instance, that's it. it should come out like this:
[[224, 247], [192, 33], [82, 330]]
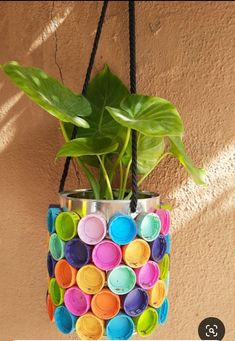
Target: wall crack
[[55, 24]]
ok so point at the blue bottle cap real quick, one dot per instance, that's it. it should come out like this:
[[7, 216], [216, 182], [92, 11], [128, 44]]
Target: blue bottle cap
[[121, 327], [163, 312], [52, 213], [64, 320], [168, 243], [122, 229]]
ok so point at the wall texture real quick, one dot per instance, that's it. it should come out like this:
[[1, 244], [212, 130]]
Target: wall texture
[[185, 54]]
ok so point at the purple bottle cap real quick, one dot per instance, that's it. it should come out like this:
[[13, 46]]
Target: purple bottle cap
[[135, 302], [158, 248], [51, 263], [77, 253]]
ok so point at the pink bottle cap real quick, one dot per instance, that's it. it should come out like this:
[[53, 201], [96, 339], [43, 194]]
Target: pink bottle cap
[[164, 216], [76, 301], [106, 255], [148, 275], [92, 228]]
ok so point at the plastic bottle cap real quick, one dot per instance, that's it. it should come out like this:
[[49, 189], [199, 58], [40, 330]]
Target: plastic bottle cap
[[64, 321], [56, 293], [163, 312], [121, 327], [148, 226], [92, 229], [56, 246], [122, 228], [76, 301], [77, 253], [50, 308], [164, 216], [164, 266], [157, 294], [51, 217], [167, 282], [137, 253], [90, 279], [121, 280], [146, 322], [105, 304], [66, 225], [65, 274], [106, 255], [51, 262], [148, 275], [168, 243], [158, 248], [90, 327], [135, 302]]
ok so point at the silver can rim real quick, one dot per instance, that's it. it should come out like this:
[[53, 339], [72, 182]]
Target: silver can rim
[[83, 194]]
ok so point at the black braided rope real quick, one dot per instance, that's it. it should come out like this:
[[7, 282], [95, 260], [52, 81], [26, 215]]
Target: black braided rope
[[134, 185], [134, 198], [85, 85]]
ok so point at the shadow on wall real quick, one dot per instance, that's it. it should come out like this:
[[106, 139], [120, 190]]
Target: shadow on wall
[[23, 126], [29, 139]]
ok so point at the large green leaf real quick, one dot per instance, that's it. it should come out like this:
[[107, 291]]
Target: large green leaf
[[178, 150], [149, 149], [88, 146], [105, 89], [152, 116], [49, 94]]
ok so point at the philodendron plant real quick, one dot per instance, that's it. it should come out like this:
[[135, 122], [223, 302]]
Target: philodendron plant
[[105, 117]]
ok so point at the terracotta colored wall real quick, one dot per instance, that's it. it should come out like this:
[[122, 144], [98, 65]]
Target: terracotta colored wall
[[185, 54]]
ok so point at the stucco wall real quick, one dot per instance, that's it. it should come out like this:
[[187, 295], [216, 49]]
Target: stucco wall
[[185, 54]]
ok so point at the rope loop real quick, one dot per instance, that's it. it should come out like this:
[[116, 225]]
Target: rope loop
[[85, 86], [134, 185]]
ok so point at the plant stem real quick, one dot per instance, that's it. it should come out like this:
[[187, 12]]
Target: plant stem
[[109, 188], [102, 182], [125, 179], [92, 180], [90, 177], [120, 155], [64, 132], [147, 174], [121, 180]]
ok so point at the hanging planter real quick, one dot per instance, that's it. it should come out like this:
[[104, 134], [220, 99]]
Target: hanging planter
[[108, 281], [108, 259]]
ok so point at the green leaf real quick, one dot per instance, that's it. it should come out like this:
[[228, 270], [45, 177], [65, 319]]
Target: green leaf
[[91, 178], [90, 160], [49, 94], [152, 116], [105, 89], [178, 150], [88, 146], [150, 149]]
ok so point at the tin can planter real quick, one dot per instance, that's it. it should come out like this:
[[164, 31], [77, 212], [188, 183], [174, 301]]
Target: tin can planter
[[108, 269]]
